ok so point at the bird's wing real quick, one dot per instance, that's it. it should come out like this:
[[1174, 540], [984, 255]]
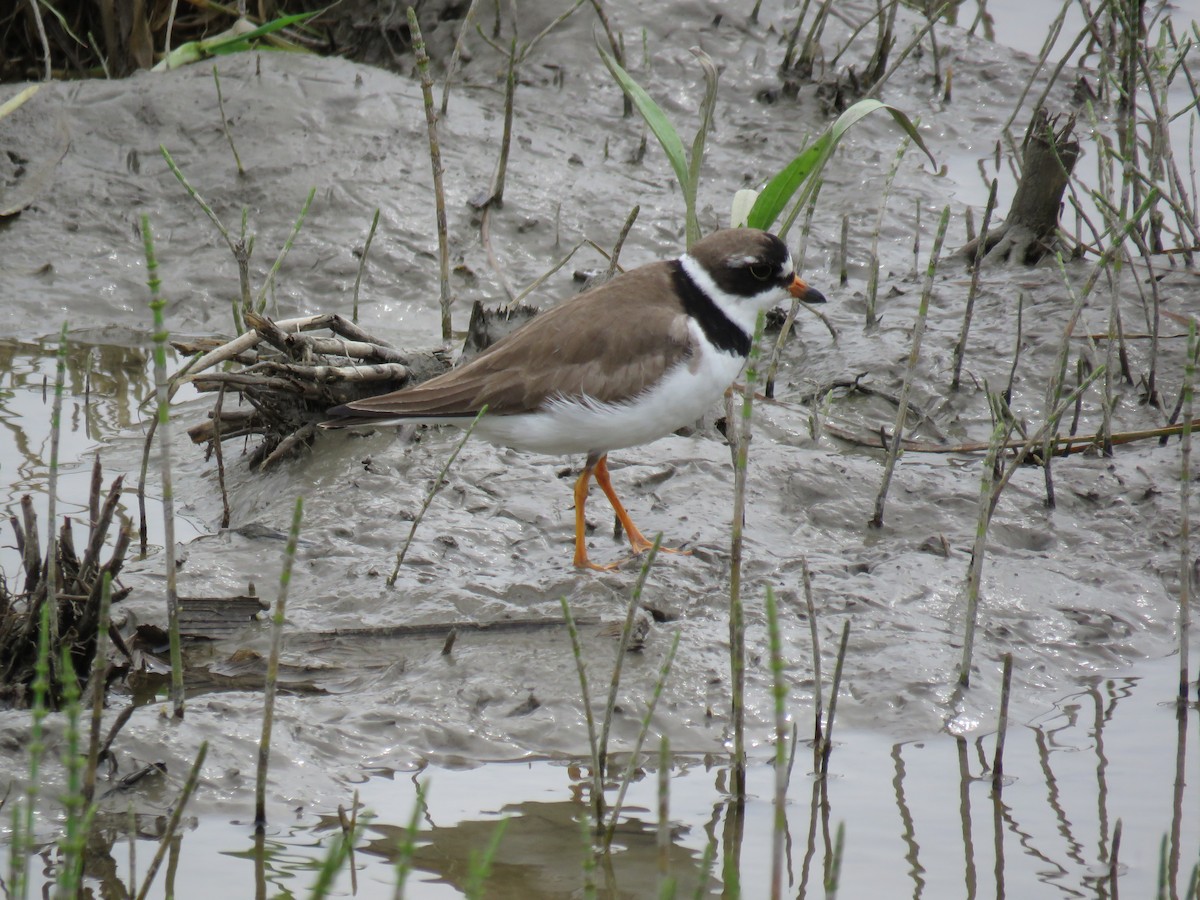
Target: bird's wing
[[583, 347]]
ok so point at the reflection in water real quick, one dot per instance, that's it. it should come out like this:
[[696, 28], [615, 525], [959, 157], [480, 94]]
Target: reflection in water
[[105, 383], [1070, 777]]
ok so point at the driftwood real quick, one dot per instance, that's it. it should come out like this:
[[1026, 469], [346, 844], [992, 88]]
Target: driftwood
[[1030, 229], [75, 613], [287, 377]]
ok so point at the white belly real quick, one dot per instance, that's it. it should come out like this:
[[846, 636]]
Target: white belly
[[564, 427]]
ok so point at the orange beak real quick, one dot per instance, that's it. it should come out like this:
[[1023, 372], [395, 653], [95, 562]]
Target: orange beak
[[801, 291]]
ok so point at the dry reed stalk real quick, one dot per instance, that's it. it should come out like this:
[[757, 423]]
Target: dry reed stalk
[[225, 123], [834, 690], [960, 347], [362, 261], [616, 250], [1185, 519], [435, 161], [41, 30], [268, 285], [873, 272], [1043, 55], [635, 602], [452, 66], [240, 249], [618, 51], [643, 730], [910, 373], [779, 693], [818, 692], [992, 486], [793, 36], [912, 45], [790, 320], [163, 420], [737, 620]]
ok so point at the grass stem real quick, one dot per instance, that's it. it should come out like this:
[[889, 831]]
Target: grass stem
[[163, 419], [225, 122], [277, 622], [586, 698], [168, 837], [433, 491]]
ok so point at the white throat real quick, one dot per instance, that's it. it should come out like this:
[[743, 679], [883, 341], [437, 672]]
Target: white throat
[[742, 311]]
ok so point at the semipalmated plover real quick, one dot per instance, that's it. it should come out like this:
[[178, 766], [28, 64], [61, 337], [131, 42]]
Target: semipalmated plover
[[621, 364]]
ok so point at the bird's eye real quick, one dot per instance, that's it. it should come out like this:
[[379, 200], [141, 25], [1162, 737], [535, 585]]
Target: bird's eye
[[761, 271]]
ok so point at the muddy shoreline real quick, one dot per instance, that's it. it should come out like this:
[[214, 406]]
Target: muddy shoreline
[[1088, 587]]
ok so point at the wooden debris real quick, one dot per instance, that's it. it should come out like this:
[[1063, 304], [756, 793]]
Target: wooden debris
[[286, 377], [1030, 229], [213, 618]]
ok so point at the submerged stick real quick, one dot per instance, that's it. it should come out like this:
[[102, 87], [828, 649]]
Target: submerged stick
[[1002, 728], [834, 690], [277, 620], [1113, 865], [157, 304]]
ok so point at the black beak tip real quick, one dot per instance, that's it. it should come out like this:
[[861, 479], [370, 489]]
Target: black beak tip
[[812, 295]]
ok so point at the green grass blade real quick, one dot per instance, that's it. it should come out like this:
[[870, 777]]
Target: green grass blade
[[667, 136], [780, 189], [227, 43]]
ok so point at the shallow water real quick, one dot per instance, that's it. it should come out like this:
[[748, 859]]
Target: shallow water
[[1084, 595]]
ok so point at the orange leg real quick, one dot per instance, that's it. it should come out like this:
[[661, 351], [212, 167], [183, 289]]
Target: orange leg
[[637, 540], [581, 494]]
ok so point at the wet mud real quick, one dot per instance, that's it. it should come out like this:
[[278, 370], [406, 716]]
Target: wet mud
[[1086, 588]]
